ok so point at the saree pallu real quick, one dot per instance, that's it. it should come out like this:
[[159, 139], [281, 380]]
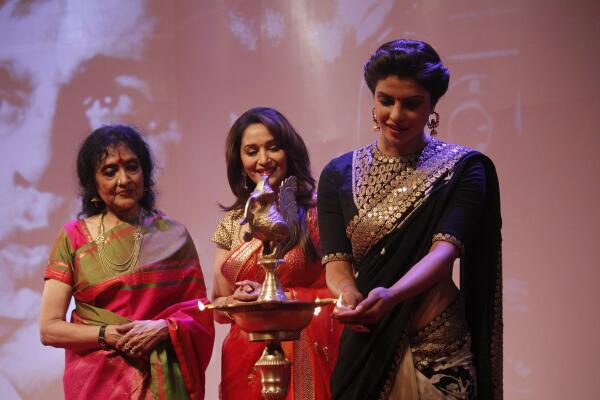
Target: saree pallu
[[167, 283], [369, 362], [313, 356]]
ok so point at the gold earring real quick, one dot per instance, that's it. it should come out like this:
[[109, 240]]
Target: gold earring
[[95, 200], [433, 123], [376, 126]]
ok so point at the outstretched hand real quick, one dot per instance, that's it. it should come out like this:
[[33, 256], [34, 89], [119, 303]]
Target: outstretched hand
[[139, 338], [368, 311], [350, 297]]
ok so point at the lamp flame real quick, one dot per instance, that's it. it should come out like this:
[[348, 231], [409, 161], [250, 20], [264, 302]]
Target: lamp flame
[[317, 309], [201, 305], [339, 304]]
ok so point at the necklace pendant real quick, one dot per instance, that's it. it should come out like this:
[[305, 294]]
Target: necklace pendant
[[99, 240]]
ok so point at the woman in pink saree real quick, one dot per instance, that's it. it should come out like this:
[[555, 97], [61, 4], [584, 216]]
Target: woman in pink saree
[[263, 143], [136, 331]]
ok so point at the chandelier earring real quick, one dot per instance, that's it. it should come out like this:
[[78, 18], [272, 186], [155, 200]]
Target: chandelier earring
[[433, 123], [376, 126]]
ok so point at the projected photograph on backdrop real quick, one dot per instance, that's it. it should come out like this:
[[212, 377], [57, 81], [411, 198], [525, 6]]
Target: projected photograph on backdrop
[[64, 70]]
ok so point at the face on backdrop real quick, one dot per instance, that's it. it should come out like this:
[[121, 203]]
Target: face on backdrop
[[262, 156], [48, 44], [27, 104], [44, 44]]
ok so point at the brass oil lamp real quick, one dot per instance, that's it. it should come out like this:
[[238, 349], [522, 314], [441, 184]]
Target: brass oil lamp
[[273, 318]]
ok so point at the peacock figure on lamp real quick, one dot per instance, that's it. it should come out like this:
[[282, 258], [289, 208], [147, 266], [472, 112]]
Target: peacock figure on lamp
[[276, 226]]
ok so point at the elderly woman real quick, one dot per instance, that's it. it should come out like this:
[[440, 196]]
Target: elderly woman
[[394, 216], [136, 331], [263, 143]]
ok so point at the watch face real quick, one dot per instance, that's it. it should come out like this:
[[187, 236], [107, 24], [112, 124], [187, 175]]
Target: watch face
[[101, 339]]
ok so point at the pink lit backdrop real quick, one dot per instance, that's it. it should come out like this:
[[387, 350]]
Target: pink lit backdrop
[[524, 90]]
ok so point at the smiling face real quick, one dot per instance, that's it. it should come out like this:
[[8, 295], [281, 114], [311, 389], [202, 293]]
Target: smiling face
[[120, 181], [402, 108], [261, 155]]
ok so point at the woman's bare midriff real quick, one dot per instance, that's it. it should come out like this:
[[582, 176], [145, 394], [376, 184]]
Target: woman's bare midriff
[[431, 303]]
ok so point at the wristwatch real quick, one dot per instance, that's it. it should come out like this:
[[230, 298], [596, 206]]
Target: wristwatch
[[102, 339]]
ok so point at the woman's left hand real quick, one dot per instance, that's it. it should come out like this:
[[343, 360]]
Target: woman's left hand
[[369, 311], [141, 337]]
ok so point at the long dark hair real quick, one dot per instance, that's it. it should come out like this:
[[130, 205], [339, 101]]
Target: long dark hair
[[407, 58], [95, 148], [298, 165]]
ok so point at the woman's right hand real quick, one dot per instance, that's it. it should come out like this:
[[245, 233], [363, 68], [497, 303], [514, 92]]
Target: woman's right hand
[[140, 337], [349, 299], [340, 280], [112, 335], [344, 310], [247, 290]]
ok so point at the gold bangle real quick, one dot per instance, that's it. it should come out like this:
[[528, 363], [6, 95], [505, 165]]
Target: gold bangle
[[225, 313]]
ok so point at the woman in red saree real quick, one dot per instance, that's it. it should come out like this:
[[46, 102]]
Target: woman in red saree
[[136, 331], [262, 142]]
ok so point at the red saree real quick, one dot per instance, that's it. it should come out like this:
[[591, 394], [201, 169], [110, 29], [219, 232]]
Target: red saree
[[166, 284], [313, 356]]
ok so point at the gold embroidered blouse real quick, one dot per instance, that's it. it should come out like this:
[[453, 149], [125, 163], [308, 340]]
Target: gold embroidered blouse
[[385, 191]]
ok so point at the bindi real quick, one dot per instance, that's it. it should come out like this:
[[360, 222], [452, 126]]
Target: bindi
[[120, 160]]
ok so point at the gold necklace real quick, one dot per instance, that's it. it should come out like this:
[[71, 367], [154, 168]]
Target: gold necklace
[[110, 266]]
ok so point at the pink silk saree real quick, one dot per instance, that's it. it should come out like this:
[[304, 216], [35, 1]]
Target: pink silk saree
[[167, 283]]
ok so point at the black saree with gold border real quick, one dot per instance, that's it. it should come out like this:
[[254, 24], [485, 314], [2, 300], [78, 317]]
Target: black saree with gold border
[[410, 214]]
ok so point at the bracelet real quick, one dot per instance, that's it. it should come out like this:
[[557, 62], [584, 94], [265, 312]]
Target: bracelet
[[225, 313], [102, 339]]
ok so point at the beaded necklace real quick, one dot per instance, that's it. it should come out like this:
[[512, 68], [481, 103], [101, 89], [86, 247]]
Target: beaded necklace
[[110, 266]]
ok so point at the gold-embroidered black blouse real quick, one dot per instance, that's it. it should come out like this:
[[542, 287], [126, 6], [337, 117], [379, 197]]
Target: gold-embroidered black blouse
[[364, 195]]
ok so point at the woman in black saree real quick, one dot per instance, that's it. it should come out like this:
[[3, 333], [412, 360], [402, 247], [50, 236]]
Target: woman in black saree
[[394, 216]]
